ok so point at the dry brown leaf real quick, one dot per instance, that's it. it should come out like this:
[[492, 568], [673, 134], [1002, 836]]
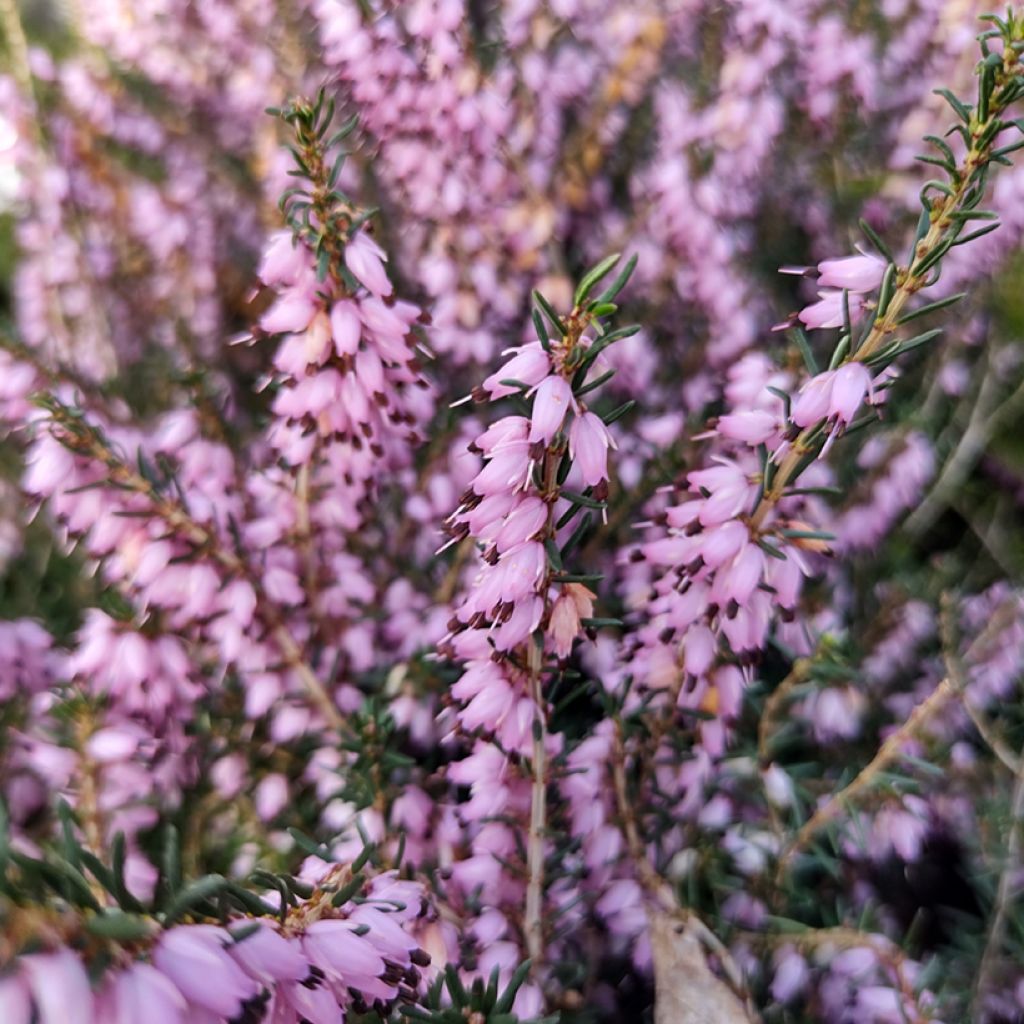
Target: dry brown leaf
[[685, 989]]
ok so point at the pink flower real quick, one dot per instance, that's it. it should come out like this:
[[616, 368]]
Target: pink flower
[[365, 259], [142, 993], [522, 524], [813, 403], [60, 987], [192, 955], [861, 273], [849, 386], [589, 440], [342, 955], [791, 975], [751, 426], [269, 957], [15, 1005], [576, 602], [291, 313], [826, 312], [345, 327], [531, 364], [552, 399]]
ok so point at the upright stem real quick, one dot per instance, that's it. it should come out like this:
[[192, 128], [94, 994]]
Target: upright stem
[[533, 925]]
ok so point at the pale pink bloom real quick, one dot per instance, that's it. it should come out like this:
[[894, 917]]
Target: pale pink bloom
[[507, 470], [507, 429], [15, 1004], [365, 259], [720, 544], [552, 400], [283, 261], [271, 796], [524, 521], [488, 708], [142, 993], [751, 426], [269, 957], [826, 312], [737, 580], [849, 386], [191, 955], [60, 988], [729, 492], [589, 440], [778, 786], [814, 401], [575, 603], [113, 744], [524, 619], [345, 327], [530, 365], [860, 273], [291, 313], [791, 975], [314, 1003], [698, 650], [282, 586], [342, 955]]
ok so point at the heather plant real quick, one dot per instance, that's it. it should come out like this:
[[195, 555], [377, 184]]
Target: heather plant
[[449, 574]]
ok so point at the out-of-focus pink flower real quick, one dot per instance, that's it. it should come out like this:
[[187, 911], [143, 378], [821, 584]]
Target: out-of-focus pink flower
[[192, 955], [142, 993], [15, 1004], [60, 987]]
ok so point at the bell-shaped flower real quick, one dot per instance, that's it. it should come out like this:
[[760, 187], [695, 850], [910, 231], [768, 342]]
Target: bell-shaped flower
[[191, 956], [552, 399], [143, 993], [850, 385], [530, 365], [589, 441], [365, 259], [861, 273]]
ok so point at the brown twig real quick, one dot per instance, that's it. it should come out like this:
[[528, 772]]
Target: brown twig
[[889, 751]]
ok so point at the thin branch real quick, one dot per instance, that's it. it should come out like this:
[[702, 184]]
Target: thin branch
[[889, 751], [533, 924]]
